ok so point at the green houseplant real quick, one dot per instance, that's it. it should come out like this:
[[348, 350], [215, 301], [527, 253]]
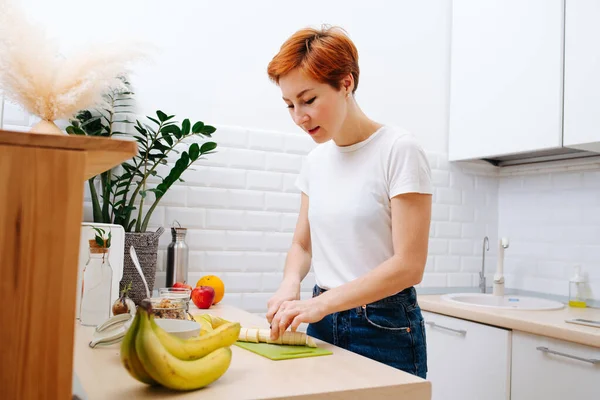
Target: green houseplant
[[129, 194], [122, 194]]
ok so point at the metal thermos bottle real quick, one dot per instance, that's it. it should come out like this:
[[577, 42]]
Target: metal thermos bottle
[[177, 257]]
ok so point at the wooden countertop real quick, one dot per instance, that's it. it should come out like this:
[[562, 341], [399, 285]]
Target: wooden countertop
[[342, 375], [549, 323]]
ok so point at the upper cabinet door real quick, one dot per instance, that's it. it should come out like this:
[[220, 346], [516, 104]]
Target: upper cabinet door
[[582, 75], [506, 77]]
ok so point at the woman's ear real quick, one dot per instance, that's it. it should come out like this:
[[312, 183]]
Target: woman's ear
[[348, 83]]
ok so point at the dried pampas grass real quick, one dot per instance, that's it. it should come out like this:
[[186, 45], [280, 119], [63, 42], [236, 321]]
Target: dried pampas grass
[[34, 75]]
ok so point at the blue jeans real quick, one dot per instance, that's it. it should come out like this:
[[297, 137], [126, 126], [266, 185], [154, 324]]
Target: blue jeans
[[391, 331]]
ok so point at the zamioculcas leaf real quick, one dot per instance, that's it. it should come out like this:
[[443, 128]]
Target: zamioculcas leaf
[[162, 116], [89, 121], [185, 127], [179, 167], [207, 129], [157, 192], [194, 151], [160, 147], [141, 130], [173, 130], [167, 138], [197, 128], [72, 130], [153, 120], [208, 146], [99, 241]]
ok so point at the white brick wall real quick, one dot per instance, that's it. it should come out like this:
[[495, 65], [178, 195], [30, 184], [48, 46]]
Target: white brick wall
[[464, 212], [553, 222], [244, 218], [240, 205]]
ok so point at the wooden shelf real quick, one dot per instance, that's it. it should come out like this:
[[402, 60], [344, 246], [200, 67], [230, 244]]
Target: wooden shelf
[[102, 153], [41, 208]]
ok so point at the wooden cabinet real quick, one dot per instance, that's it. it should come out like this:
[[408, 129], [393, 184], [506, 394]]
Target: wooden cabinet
[[467, 360], [549, 369], [582, 75], [41, 200]]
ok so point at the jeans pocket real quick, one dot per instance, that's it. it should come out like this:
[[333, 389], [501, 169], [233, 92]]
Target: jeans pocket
[[391, 318]]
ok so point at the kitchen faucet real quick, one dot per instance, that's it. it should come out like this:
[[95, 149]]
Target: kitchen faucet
[[499, 276], [486, 246]]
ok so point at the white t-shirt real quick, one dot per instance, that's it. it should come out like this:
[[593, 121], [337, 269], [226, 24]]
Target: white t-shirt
[[349, 190]]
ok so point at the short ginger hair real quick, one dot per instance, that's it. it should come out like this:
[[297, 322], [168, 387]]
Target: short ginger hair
[[326, 55]]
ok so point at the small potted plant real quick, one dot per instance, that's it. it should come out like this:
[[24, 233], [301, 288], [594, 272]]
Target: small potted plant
[[129, 194], [124, 304]]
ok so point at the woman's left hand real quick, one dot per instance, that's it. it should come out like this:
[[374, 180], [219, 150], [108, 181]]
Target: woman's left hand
[[292, 313]]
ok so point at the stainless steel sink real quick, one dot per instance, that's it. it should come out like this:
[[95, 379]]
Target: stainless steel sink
[[506, 302]]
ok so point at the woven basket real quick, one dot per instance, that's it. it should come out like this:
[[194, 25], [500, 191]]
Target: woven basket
[[146, 248]]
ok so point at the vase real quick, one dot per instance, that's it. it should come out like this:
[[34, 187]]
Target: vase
[[146, 248], [96, 286], [115, 256], [46, 127]]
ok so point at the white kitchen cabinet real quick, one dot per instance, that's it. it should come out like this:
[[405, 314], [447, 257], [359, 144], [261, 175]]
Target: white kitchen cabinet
[[506, 77], [467, 360], [582, 75], [546, 368]]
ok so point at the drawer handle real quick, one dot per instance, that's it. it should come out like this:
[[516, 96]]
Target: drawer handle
[[558, 353], [434, 325]]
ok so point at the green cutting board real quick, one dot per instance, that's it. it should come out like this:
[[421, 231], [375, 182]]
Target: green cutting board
[[282, 352]]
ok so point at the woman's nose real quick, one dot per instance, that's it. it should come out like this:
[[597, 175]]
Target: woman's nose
[[300, 118]]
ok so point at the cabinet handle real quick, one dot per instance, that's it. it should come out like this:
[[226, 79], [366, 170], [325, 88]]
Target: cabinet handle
[[558, 353], [434, 325]]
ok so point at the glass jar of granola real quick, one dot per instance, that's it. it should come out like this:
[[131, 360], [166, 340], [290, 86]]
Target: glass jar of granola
[[168, 308]]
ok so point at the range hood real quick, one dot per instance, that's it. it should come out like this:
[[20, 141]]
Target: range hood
[[538, 156]]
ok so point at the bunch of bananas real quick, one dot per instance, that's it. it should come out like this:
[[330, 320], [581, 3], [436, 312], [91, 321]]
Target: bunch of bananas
[[154, 356]]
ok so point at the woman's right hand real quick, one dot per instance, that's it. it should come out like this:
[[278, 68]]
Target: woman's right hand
[[287, 291]]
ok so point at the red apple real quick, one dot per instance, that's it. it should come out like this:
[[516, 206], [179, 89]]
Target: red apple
[[182, 285], [203, 296]]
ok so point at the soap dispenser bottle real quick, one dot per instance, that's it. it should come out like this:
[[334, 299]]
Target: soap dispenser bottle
[[577, 289]]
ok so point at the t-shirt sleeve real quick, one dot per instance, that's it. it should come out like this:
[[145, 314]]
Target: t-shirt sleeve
[[302, 178], [409, 170]]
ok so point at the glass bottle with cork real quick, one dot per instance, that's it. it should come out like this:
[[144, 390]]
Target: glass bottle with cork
[[97, 282]]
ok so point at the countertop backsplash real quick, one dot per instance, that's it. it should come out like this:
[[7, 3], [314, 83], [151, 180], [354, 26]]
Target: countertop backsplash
[[553, 221]]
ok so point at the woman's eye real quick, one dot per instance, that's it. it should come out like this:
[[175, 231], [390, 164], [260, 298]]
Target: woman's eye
[[290, 106], [310, 101]]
